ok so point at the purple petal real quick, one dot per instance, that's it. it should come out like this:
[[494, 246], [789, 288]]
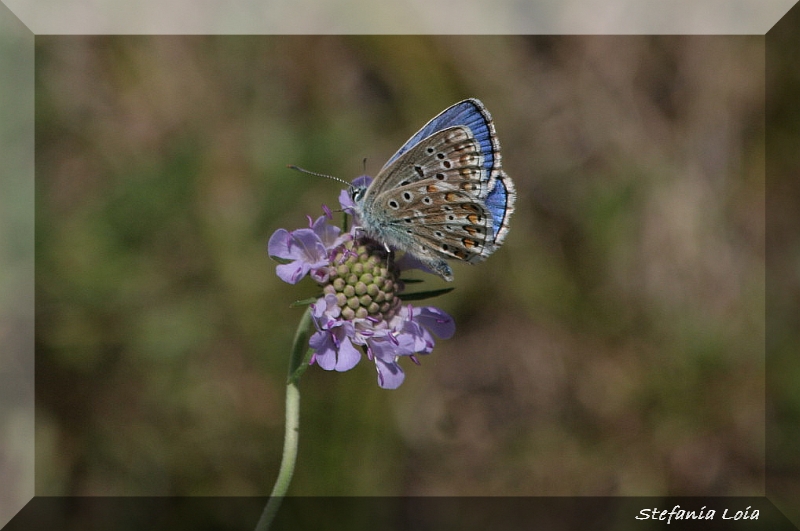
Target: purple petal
[[324, 310], [334, 350], [278, 246], [390, 374], [348, 357], [388, 347], [382, 348], [305, 244], [346, 201], [319, 307], [362, 180], [329, 235], [293, 272], [321, 275], [324, 350], [421, 339], [319, 341], [436, 320], [303, 247]]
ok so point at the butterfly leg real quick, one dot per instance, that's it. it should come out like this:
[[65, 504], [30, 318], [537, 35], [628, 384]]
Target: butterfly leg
[[389, 256]]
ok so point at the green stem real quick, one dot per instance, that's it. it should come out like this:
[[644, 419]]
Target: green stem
[[298, 362], [289, 458]]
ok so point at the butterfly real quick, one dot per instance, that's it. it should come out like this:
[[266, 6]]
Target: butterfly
[[443, 195]]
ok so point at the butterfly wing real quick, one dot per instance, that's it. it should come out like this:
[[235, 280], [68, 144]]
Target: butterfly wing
[[500, 202], [471, 114], [499, 193], [429, 201], [443, 194], [451, 155]]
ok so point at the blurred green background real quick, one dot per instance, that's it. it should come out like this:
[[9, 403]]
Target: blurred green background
[[613, 346]]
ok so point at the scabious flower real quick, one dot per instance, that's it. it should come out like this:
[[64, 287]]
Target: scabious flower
[[361, 311], [305, 250]]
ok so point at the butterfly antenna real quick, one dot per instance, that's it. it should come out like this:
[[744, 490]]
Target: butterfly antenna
[[293, 167]]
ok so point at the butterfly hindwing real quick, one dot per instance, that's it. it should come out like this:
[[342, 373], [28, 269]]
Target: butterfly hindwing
[[461, 230], [500, 203]]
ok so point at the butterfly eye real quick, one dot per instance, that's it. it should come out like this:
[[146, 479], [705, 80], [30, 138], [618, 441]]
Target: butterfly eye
[[357, 193]]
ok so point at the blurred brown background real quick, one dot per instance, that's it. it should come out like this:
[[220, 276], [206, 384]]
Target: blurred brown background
[[613, 346]]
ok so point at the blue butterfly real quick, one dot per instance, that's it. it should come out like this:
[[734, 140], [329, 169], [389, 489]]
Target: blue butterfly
[[443, 195]]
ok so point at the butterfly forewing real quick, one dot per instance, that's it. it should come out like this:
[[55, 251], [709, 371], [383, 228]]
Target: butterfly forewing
[[450, 158], [471, 114]]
